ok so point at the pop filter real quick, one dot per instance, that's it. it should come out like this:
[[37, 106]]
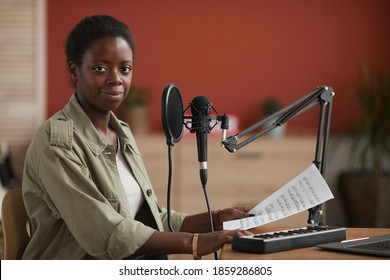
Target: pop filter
[[172, 114]]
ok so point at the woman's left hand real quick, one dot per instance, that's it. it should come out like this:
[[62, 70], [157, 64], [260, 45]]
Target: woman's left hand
[[228, 214]]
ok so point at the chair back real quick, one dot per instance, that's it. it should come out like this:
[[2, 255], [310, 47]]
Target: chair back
[[15, 224]]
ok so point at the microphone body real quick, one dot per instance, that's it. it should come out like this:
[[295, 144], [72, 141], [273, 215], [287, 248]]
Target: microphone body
[[200, 109], [201, 141]]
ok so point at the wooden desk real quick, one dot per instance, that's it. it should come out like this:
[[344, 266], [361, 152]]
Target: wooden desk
[[309, 253]]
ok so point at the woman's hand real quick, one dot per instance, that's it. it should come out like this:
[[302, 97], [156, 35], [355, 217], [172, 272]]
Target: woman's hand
[[197, 244], [201, 222], [206, 242], [228, 214], [210, 242]]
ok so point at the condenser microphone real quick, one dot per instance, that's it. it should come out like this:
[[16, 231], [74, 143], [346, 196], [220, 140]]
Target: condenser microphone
[[200, 110]]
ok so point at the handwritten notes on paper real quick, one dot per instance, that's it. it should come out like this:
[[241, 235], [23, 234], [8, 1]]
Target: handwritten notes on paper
[[305, 191]]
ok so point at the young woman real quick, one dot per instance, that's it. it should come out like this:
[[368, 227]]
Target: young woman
[[85, 187]]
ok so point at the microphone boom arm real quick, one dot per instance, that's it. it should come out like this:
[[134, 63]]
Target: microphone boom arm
[[323, 96]]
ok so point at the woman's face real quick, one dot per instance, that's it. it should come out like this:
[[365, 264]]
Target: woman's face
[[103, 80]]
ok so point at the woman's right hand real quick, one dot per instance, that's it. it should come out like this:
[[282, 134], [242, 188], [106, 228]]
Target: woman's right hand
[[210, 242], [183, 242]]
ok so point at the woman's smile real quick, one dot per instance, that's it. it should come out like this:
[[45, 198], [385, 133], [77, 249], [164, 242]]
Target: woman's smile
[[112, 95]]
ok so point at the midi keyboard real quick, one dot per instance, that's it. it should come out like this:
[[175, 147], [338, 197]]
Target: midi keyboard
[[288, 239]]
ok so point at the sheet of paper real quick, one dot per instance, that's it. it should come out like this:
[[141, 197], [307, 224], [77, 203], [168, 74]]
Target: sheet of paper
[[305, 191]]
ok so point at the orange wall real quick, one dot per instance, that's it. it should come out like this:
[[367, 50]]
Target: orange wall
[[237, 52]]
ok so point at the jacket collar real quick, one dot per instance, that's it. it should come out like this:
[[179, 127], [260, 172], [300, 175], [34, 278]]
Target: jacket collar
[[84, 127]]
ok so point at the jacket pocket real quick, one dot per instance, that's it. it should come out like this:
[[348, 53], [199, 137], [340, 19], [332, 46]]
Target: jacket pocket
[[115, 204]]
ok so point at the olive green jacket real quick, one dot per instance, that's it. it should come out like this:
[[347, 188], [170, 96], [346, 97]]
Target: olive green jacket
[[74, 197]]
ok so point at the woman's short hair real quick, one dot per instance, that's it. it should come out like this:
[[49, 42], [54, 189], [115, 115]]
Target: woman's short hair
[[91, 29]]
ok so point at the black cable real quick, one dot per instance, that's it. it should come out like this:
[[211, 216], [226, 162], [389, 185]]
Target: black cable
[[210, 215], [169, 187], [169, 197]]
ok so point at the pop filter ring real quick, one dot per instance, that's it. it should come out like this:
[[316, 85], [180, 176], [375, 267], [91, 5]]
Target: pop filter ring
[[172, 114]]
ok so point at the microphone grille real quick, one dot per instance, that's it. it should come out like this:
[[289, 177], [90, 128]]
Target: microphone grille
[[200, 110], [200, 104]]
